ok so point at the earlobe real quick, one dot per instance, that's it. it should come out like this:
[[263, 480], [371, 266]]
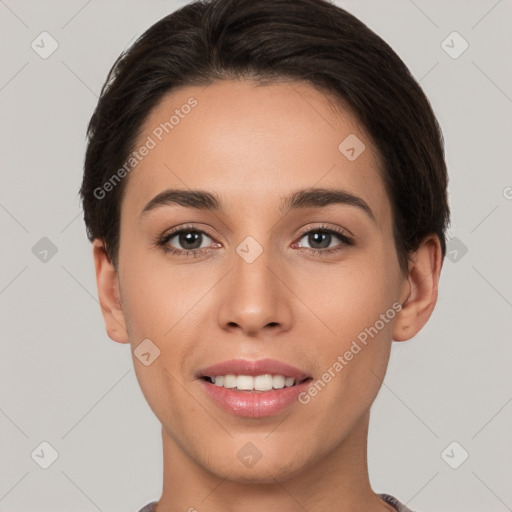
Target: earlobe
[[108, 294], [423, 278]]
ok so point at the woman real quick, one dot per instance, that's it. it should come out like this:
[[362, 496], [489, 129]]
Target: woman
[[265, 190]]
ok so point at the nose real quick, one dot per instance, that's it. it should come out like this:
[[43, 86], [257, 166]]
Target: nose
[[255, 297]]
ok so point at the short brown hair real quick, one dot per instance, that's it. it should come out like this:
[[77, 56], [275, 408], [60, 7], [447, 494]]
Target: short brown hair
[[311, 41]]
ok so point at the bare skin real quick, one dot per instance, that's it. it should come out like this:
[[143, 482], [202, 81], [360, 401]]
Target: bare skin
[[253, 145]]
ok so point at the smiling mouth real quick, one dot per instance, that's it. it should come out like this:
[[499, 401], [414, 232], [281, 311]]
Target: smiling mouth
[[257, 383]]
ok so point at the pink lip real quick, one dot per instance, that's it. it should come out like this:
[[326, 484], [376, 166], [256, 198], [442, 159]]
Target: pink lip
[[253, 404]]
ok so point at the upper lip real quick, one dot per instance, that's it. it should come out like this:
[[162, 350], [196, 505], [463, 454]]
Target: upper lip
[[253, 368]]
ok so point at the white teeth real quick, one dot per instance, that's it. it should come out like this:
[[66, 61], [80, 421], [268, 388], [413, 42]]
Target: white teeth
[[229, 381], [289, 381], [264, 382], [278, 381], [245, 382]]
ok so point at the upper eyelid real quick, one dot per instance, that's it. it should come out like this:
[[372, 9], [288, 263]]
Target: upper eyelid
[[341, 232], [179, 229], [337, 231], [323, 227]]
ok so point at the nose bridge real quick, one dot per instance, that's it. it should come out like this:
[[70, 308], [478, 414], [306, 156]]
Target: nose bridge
[[253, 297], [251, 269]]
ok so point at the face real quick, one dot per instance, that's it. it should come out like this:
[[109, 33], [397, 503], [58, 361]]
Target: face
[[293, 277]]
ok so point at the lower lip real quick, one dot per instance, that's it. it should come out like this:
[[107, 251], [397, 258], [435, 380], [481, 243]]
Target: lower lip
[[254, 404]]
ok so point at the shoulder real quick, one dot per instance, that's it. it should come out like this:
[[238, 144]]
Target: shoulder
[[400, 507], [150, 507]]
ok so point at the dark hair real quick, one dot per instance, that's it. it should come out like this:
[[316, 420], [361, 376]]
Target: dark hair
[[311, 41]]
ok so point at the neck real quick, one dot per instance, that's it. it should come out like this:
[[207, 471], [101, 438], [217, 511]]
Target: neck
[[336, 481]]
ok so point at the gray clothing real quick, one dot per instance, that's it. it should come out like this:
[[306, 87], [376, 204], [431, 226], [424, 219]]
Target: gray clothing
[[400, 507]]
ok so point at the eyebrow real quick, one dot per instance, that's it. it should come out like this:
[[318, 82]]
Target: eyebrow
[[304, 198]]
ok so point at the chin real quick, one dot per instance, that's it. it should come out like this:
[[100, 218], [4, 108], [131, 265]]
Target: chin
[[261, 473], [264, 470]]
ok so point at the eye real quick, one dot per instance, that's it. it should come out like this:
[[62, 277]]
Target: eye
[[187, 242], [324, 240], [193, 242], [188, 239]]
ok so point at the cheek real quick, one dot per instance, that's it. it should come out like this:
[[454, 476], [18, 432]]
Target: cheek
[[163, 304], [356, 310], [154, 297], [351, 368], [347, 298]]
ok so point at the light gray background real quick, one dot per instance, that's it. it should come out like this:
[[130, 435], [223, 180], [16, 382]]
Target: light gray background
[[63, 381]]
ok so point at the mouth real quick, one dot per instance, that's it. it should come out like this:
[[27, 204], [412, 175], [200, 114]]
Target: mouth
[[253, 389], [258, 383]]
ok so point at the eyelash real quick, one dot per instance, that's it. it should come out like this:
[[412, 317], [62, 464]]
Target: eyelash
[[195, 253]]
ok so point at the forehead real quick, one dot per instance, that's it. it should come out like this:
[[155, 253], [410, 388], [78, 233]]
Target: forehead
[[253, 144]]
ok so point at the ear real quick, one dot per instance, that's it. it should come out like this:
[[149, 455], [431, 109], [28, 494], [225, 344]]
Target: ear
[[108, 294], [423, 279]]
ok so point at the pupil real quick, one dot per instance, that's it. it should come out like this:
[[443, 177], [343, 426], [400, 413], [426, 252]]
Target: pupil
[[191, 237], [324, 239]]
